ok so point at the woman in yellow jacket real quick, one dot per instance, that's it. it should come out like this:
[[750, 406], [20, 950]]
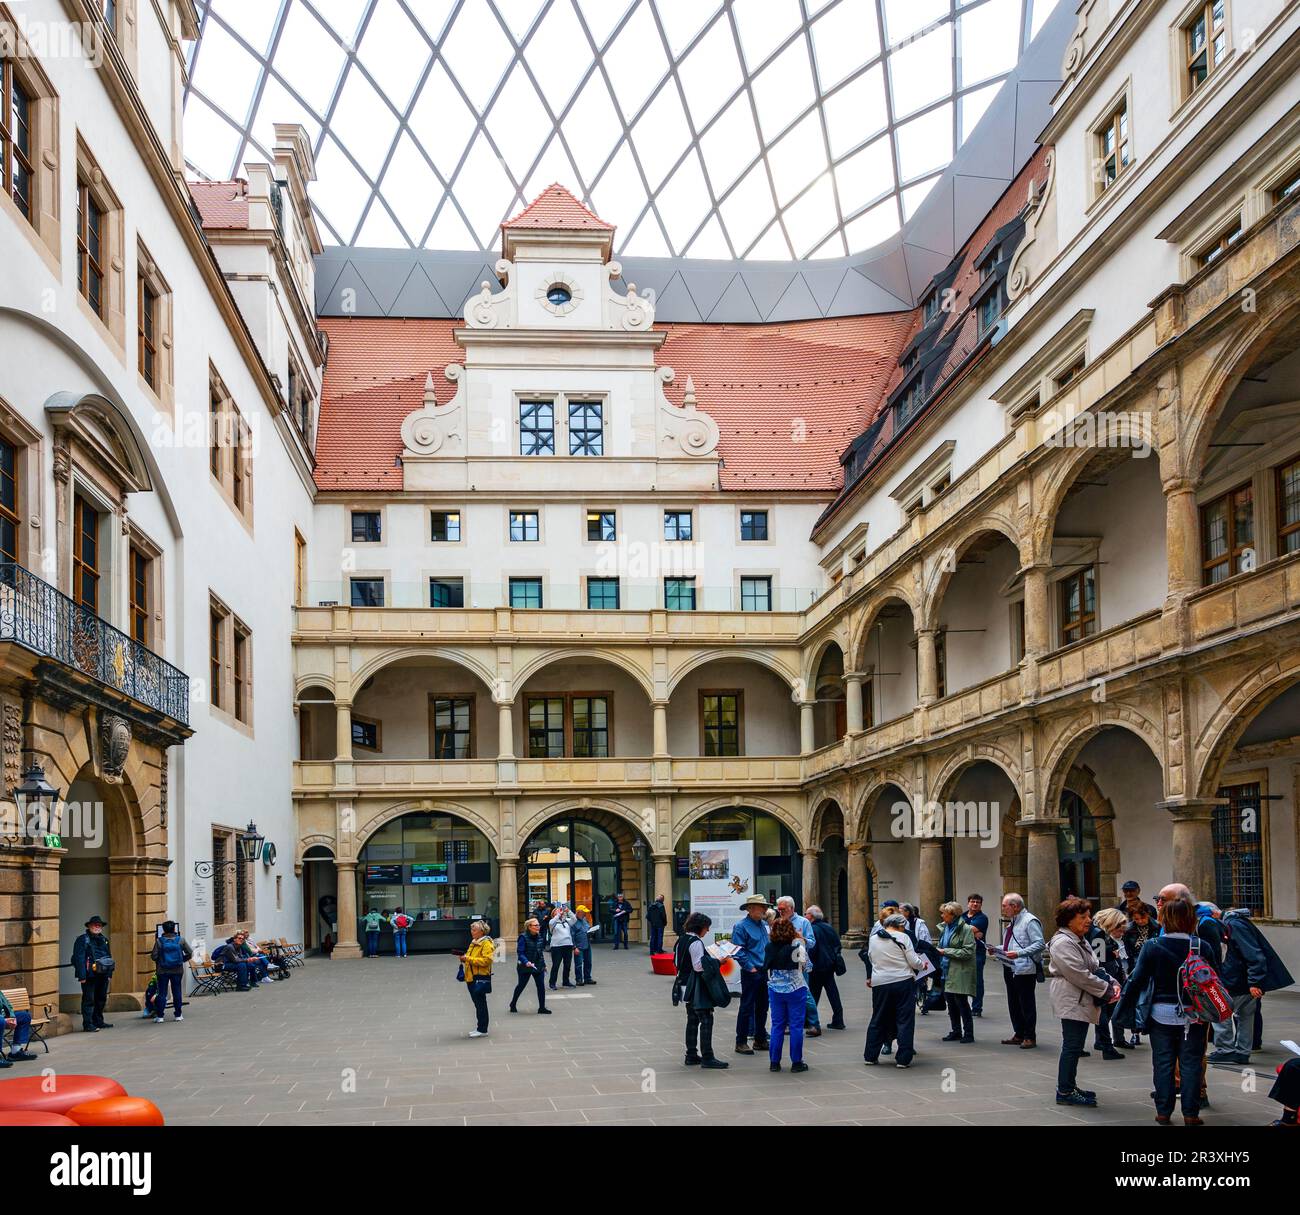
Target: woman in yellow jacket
[[477, 960]]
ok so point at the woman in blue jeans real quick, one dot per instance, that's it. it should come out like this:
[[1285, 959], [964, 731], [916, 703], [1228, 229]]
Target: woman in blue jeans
[[373, 919], [1176, 1041], [787, 992]]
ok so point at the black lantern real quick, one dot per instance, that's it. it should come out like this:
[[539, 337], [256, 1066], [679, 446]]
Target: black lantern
[[250, 843], [37, 799], [638, 850]]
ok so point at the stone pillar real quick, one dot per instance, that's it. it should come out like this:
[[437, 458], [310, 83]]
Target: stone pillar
[[1038, 622], [347, 945], [930, 891], [1193, 844], [660, 708], [927, 667], [853, 703], [506, 729], [665, 868], [343, 732], [31, 950], [811, 893], [1043, 869], [807, 728], [508, 897], [1182, 539], [859, 911]]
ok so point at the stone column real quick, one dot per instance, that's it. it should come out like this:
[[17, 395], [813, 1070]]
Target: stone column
[[347, 945], [807, 729], [343, 732], [930, 892], [660, 708], [508, 896], [506, 729], [1182, 539], [1193, 844], [1038, 628], [853, 703], [665, 868], [859, 912], [927, 666], [810, 875], [1043, 869]]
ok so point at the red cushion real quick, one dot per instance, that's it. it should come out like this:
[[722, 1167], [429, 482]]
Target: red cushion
[[27, 1092], [663, 964], [116, 1111], [33, 1118]]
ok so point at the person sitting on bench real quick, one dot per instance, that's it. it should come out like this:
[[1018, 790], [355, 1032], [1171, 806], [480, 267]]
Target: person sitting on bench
[[228, 957], [21, 1024]]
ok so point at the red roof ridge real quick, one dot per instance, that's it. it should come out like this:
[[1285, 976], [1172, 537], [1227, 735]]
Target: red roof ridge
[[557, 208]]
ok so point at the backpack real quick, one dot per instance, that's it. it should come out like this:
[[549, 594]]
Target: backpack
[[169, 952], [402, 921], [1201, 994]]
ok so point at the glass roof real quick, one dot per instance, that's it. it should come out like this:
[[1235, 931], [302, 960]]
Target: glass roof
[[701, 128]]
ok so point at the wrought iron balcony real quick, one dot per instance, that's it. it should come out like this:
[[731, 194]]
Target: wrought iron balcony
[[40, 618]]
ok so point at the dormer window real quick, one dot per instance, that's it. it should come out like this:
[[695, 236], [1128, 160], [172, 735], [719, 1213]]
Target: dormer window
[[911, 360], [931, 306], [989, 264]]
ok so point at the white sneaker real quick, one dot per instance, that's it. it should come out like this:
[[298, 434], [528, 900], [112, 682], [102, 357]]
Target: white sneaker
[[474, 1033], [157, 1020], [178, 1017]]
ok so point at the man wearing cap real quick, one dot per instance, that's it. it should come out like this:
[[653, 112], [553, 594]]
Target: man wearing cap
[[92, 963], [170, 953], [580, 930], [622, 918], [750, 937], [1132, 900]]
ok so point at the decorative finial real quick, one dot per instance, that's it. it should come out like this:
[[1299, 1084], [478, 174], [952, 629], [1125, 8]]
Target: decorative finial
[[688, 397], [430, 397]]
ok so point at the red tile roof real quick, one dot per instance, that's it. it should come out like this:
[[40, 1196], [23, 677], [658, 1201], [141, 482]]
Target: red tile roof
[[222, 204], [556, 210], [788, 398]]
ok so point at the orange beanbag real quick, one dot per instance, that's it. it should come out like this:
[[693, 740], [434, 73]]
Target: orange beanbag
[[116, 1111], [33, 1118], [28, 1092]]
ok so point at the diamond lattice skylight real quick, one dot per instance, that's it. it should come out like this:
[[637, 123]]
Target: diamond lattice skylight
[[701, 128]]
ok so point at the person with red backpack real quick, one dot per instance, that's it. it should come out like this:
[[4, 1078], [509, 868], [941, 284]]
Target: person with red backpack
[[400, 922], [1174, 995]]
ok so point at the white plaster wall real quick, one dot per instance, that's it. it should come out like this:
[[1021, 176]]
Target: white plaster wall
[[771, 717], [891, 660], [977, 616]]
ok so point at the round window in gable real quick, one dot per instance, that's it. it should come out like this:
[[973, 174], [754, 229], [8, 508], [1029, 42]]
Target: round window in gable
[[558, 295]]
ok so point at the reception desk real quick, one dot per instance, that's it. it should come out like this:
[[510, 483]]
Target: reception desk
[[424, 936]]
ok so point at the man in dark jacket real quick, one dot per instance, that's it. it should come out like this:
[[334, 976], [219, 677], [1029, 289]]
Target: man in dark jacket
[[170, 953], [1132, 900], [622, 918], [825, 959], [92, 963], [656, 918], [1250, 968], [979, 925]]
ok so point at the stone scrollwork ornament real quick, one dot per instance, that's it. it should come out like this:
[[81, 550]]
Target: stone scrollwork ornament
[[686, 431], [491, 311], [435, 429], [633, 312], [114, 746]]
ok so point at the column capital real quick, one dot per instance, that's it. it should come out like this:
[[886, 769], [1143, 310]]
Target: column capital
[[663, 856], [811, 852], [344, 863], [1192, 809], [1036, 826], [512, 861], [856, 676], [857, 847]]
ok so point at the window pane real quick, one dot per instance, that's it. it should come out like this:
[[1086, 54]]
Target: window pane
[[445, 526], [679, 594], [586, 434], [753, 525], [525, 592], [367, 592], [602, 593], [524, 525], [600, 525], [446, 592], [536, 428]]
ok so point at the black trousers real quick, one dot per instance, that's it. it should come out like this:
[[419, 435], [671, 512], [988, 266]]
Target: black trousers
[[480, 1004], [537, 976], [893, 1015], [565, 954], [699, 1033], [94, 995], [1286, 1088], [824, 981], [1073, 1036], [1102, 1038], [959, 1014], [1183, 1048], [752, 1017], [1021, 1004]]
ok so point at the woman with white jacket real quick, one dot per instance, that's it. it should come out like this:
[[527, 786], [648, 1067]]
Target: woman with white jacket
[[892, 964], [562, 949], [1078, 988]]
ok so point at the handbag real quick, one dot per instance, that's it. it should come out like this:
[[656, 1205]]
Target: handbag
[[482, 986], [460, 973], [841, 966]]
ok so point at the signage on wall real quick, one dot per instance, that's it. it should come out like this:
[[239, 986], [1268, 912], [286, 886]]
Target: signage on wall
[[722, 877], [425, 874]]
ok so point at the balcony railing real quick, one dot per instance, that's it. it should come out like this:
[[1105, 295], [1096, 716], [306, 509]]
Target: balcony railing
[[42, 619]]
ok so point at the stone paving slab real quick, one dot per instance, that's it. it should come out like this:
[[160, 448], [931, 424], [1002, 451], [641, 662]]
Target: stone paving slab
[[384, 1042]]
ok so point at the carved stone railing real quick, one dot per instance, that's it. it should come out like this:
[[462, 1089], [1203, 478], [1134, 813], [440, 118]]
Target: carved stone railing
[[1270, 591]]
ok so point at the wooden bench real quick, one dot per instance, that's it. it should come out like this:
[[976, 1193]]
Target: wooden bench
[[293, 953], [21, 1001]]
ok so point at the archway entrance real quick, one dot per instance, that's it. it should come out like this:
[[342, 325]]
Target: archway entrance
[[319, 897], [1078, 850], [574, 861]]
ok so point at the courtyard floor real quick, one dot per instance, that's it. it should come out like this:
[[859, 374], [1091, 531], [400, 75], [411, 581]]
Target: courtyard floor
[[384, 1041]]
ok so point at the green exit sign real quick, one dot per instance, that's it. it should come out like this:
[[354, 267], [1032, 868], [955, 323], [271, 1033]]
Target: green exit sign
[[53, 841]]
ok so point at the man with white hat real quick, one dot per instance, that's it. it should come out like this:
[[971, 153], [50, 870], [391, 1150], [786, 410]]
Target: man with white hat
[[750, 937]]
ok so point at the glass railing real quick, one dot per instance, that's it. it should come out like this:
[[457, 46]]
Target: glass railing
[[632, 597], [40, 618]]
